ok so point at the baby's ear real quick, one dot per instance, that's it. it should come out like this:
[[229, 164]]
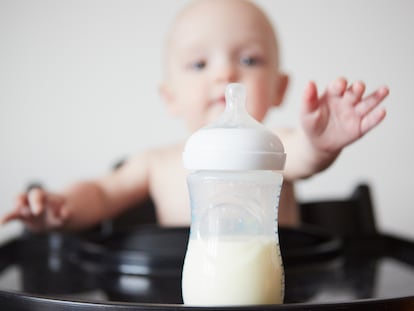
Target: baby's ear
[[167, 95], [281, 87]]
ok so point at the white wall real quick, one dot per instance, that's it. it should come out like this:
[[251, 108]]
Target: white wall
[[78, 90]]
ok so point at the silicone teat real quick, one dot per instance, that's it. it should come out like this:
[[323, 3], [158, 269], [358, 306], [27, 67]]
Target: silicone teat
[[235, 97], [235, 114]]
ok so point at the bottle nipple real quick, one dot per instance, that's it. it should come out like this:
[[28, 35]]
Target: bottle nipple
[[235, 96], [235, 114]]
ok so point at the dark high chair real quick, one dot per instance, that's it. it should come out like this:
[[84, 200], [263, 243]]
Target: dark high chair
[[335, 260], [352, 216]]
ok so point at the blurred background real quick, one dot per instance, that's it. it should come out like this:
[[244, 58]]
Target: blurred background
[[79, 90]]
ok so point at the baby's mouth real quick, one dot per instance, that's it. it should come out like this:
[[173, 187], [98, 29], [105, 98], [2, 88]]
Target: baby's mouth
[[217, 106], [221, 101]]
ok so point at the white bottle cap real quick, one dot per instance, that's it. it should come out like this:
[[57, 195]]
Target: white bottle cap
[[236, 141]]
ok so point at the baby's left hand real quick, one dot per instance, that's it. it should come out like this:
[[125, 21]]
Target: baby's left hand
[[341, 115]]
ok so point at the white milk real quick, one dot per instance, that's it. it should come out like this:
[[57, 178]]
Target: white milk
[[233, 271]]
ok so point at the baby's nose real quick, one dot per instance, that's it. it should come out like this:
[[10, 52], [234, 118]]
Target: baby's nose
[[226, 72]]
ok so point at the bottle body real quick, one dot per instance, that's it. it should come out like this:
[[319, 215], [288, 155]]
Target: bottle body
[[233, 255]]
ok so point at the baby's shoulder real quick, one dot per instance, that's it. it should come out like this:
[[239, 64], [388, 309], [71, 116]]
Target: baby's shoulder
[[159, 156], [166, 153]]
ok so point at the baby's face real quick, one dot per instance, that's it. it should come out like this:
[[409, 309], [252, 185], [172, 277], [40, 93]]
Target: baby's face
[[215, 43]]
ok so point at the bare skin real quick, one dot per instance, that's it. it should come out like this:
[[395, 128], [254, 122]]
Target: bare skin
[[235, 42]]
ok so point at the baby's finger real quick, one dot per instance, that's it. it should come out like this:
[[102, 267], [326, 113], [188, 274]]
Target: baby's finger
[[13, 215], [369, 103], [21, 212], [56, 203], [372, 120], [22, 206], [21, 200], [310, 98], [354, 93], [36, 198], [337, 87]]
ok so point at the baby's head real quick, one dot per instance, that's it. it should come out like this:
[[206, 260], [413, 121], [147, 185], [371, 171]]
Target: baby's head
[[216, 42]]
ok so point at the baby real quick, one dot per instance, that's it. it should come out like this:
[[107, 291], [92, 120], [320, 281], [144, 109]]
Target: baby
[[212, 43]]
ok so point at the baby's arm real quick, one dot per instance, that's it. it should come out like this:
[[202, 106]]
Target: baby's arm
[[330, 122], [83, 204]]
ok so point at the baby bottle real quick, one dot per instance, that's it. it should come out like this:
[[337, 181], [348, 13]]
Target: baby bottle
[[233, 255]]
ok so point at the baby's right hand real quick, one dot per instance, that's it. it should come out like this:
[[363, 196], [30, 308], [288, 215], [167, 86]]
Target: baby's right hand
[[39, 210]]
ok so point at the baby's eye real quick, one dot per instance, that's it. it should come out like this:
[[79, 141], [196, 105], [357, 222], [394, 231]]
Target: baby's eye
[[249, 61], [198, 65]]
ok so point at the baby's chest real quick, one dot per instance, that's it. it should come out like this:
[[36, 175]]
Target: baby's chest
[[170, 194]]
